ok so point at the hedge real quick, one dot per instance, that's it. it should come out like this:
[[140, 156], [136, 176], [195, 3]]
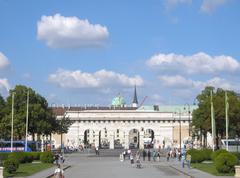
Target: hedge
[[47, 157], [3, 156], [237, 154], [225, 162], [216, 153], [11, 165], [197, 156]]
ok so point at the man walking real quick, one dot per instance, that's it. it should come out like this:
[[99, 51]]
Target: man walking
[[144, 154], [149, 155]]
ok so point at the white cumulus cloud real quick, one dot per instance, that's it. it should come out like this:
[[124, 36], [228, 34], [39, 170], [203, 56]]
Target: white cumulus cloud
[[4, 62], [210, 6], [99, 79], [199, 63], [70, 32], [180, 82], [4, 84]]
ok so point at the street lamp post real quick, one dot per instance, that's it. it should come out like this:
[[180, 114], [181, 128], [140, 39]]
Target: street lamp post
[[12, 121], [26, 139], [237, 140], [189, 121]]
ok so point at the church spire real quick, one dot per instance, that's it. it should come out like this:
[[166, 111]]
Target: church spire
[[135, 100]]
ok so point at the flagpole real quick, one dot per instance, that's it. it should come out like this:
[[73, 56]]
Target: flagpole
[[12, 121], [227, 120], [213, 123], [26, 134]]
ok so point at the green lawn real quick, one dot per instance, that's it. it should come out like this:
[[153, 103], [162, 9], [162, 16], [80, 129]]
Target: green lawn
[[209, 168], [28, 169]]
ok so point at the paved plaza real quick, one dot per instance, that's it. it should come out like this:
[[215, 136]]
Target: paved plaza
[[110, 167], [91, 166]]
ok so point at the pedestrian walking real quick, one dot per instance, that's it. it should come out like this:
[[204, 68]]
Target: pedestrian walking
[[154, 155], [138, 163], [124, 154], [144, 154], [97, 150], [149, 155], [183, 159], [168, 155], [158, 155], [131, 158], [56, 158], [129, 153], [58, 173], [188, 160]]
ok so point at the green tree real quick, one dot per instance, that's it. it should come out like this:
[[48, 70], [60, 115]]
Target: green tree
[[41, 119], [202, 115]]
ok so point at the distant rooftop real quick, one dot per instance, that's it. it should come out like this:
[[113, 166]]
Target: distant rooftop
[[150, 108], [168, 108]]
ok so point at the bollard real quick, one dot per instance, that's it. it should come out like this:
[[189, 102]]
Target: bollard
[[1, 172], [237, 171]]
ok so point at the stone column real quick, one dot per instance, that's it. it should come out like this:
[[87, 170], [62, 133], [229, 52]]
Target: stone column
[[141, 141], [158, 139], [1, 172], [96, 138], [111, 139], [126, 146]]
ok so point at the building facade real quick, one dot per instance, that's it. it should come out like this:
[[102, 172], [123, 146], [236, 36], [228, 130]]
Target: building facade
[[126, 127]]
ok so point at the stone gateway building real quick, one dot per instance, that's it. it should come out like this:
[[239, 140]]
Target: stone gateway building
[[119, 126]]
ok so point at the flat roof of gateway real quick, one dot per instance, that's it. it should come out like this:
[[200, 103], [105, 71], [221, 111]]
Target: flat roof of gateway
[[168, 108], [149, 108]]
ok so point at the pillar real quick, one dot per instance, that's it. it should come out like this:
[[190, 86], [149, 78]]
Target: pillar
[[126, 133], [158, 139], [141, 141], [111, 139], [1, 172], [96, 138]]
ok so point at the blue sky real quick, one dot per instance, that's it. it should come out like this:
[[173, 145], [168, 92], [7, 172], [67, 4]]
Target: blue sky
[[86, 52]]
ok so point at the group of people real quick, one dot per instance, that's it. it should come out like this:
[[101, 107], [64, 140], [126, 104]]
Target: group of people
[[155, 155], [134, 157], [180, 155], [59, 160]]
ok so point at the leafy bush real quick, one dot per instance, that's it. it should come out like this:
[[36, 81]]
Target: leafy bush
[[47, 157], [3, 156], [22, 157], [196, 155], [206, 153], [225, 162], [11, 165], [28, 157], [237, 154], [216, 153], [36, 155]]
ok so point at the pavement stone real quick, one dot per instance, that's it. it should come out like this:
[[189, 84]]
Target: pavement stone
[[90, 166]]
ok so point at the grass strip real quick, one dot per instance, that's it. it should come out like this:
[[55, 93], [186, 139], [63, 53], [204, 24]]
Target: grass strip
[[209, 168], [28, 169]]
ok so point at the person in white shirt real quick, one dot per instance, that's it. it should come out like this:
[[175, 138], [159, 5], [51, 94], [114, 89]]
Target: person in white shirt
[[59, 173]]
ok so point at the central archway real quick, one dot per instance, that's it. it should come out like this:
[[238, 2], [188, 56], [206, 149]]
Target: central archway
[[148, 138], [89, 138], [104, 142], [134, 139]]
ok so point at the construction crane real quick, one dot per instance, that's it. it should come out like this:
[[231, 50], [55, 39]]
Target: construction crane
[[144, 99]]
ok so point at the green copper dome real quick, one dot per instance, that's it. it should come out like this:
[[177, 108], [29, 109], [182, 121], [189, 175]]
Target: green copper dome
[[118, 101]]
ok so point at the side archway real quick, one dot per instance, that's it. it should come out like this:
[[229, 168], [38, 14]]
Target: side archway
[[134, 139], [148, 138]]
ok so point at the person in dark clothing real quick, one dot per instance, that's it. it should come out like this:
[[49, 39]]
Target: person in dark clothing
[[158, 154], [144, 155], [149, 155]]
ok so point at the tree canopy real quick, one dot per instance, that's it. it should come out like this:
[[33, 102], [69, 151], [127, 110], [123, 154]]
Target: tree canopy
[[202, 115], [41, 118]]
